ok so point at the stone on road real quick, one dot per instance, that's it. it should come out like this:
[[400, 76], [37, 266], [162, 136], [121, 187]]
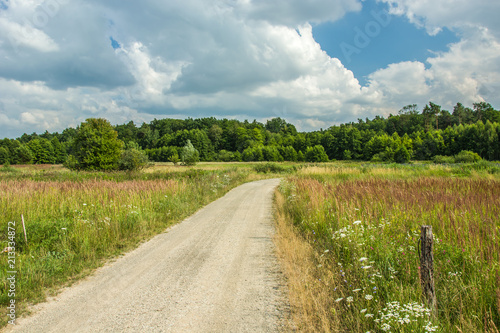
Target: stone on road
[[214, 272]]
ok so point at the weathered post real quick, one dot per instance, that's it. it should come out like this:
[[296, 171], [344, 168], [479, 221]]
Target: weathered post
[[427, 267]]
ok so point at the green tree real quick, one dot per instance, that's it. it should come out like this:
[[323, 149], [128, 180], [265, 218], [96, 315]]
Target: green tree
[[23, 155], [316, 154], [4, 155], [43, 152], [189, 155], [96, 146], [401, 155]]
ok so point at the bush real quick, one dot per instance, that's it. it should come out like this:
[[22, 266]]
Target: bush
[[269, 167], [225, 156], [466, 156], [174, 159], [133, 159]]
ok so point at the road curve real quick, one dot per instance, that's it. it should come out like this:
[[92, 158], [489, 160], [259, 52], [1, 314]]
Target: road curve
[[214, 272]]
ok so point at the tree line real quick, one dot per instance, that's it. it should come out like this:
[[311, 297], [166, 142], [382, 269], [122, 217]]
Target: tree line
[[410, 134]]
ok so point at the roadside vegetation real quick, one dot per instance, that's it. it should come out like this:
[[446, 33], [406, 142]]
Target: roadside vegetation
[[76, 221], [348, 240]]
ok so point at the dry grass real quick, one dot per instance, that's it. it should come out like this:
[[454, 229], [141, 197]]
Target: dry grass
[[309, 299]]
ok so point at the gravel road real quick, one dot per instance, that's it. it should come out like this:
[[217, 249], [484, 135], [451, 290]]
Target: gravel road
[[214, 272]]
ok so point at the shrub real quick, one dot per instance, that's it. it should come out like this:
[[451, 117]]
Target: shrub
[[133, 159], [189, 154], [225, 156], [466, 156], [269, 167], [440, 159]]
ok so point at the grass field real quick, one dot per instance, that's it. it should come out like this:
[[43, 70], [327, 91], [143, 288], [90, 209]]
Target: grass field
[[347, 235], [75, 221], [348, 238]]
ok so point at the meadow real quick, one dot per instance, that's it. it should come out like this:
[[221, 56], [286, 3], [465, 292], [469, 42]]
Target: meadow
[[76, 221], [348, 241]]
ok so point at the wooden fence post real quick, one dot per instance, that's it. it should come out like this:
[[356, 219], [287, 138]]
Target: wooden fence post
[[427, 267]]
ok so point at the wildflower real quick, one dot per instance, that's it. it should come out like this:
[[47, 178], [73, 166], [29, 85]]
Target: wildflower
[[366, 267], [369, 315], [356, 290], [356, 222], [368, 297], [349, 299], [339, 299], [363, 259], [363, 311], [386, 327], [63, 229]]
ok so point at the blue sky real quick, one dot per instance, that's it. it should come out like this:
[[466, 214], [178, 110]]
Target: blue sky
[[397, 40], [62, 62]]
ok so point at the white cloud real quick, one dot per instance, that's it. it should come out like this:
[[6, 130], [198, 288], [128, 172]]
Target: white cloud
[[26, 36], [435, 14], [251, 59]]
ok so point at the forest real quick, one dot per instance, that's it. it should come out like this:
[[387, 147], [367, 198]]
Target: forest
[[431, 133]]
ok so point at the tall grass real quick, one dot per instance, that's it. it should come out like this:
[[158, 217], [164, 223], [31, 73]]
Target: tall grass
[[75, 221], [364, 227]]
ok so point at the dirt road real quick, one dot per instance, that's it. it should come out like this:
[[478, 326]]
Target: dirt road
[[214, 272]]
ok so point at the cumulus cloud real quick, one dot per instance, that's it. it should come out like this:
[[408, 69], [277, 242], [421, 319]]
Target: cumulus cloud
[[435, 14], [225, 58]]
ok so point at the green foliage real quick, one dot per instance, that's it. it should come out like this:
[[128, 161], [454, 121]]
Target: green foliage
[[175, 159], [269, 168], [133, 158], [189, 155], [96, 146], [23, 155], [401, 155], [228, 156], [424, 135], [7, 168], [316, 154], [4, 155], [347, 155], [440, 159], [42, 150], [467, 157]]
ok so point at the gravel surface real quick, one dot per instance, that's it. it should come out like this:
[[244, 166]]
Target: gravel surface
[[214, 272]]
